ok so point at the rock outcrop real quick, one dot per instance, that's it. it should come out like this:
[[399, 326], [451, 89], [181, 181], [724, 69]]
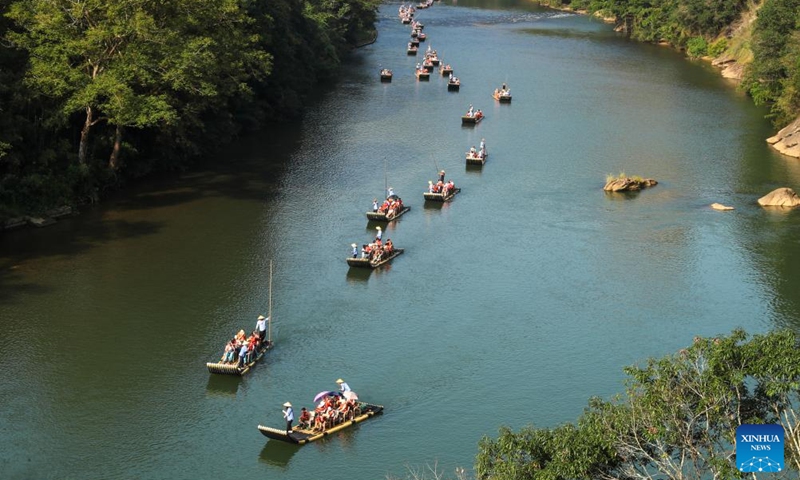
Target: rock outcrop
[[729, 68], [787, 141], [781, 197], [628, 184]]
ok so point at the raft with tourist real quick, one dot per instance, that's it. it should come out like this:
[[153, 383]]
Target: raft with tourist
[[453, 83], [243, 352], [445, 70], [373, 254], [441, 191], [472, 117], [391, 209], [335, 411], [502, 94], [477, 156], [412, 50], [386, 75]]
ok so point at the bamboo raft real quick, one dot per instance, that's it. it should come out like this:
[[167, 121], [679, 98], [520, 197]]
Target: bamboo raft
[[412, 51], [381, 217], [386, 76], [476, 160], [302, 436], [454, 86], [439, 197], [367, 263], [423, 75], [233, 368], [473, 120], [502, 98], [414, 42], [445, 71]]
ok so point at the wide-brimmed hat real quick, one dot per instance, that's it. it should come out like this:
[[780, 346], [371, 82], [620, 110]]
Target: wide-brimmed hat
[[353, 245], [287, 404], [261, 317], [340, 381], [377, 228]]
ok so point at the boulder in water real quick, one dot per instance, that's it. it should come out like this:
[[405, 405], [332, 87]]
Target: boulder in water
[[781, 197], [628, 184]]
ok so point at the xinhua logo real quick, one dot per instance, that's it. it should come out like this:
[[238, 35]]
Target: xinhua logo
[[759, 448]]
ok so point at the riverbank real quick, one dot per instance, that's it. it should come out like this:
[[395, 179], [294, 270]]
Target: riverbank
[[730, 51]]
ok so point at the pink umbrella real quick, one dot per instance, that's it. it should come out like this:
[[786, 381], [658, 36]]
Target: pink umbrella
[[350, 395], [326, 393]]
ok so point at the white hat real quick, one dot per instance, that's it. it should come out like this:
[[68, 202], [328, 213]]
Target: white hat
[[340, 381], [261, 317], [353, 245], [287, 404], [377, 228]]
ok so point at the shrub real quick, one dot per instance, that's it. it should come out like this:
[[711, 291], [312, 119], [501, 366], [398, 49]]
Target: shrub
[[718, 47], [696, 47]]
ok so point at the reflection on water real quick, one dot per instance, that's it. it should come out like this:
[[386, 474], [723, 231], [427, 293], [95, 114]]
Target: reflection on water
[[277, 453], [223, 385]]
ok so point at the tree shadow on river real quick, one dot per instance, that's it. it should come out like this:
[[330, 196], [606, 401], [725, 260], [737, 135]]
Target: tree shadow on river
[[68, 237]]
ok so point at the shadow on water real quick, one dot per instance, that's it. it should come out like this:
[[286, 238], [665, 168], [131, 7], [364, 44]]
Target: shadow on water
[[474, 169], [223, 385], [277, 453], [68, 237], [358, 274], [622, 195]]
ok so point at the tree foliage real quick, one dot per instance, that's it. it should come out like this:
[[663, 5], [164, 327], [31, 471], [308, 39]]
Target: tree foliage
[[677, 419], [91, 82]]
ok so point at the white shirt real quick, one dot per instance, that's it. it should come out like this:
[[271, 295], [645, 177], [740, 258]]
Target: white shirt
[[261, 325], [345, 387]]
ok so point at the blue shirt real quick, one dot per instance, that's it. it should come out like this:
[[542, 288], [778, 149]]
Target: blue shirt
[[288, 414], [243, 351], [345, 387]]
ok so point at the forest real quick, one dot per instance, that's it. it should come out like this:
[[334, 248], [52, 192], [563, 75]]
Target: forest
[[94, 94]]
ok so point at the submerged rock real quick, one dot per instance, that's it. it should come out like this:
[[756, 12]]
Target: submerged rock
[[781, 197], [627, 184], [721, 207]]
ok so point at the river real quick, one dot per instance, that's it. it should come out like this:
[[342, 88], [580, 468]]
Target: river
[[512, 305]]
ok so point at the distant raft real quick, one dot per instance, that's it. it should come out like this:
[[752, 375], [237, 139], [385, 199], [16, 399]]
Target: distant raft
[[383, 217], [502, 96], [476, 159], [302, 436], [473, 119], [441, 197], [367, 263], [233, 368]]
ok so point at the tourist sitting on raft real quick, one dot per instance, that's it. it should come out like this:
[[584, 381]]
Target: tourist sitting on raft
[[390, 207], [376, 250], [242, 349], [331, 411], [472, 113], [441, 187]]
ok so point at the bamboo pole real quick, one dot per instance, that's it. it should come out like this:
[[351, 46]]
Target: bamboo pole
[[269, 313]]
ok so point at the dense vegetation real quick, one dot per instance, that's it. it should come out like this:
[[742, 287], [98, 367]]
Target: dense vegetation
[[677, 419], [94, 92], [770, 47]]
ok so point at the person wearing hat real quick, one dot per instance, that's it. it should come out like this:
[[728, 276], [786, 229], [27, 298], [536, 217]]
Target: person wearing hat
[[288, 414], [390, 192], [343, 385], [261, 327], [441, 176], [379, 234], [355, 250], [374, 205]]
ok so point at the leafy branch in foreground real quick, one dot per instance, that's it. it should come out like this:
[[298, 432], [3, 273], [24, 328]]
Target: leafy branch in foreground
[[677, 419]]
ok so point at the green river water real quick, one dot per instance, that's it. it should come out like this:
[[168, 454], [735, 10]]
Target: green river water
[[512, 305]]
